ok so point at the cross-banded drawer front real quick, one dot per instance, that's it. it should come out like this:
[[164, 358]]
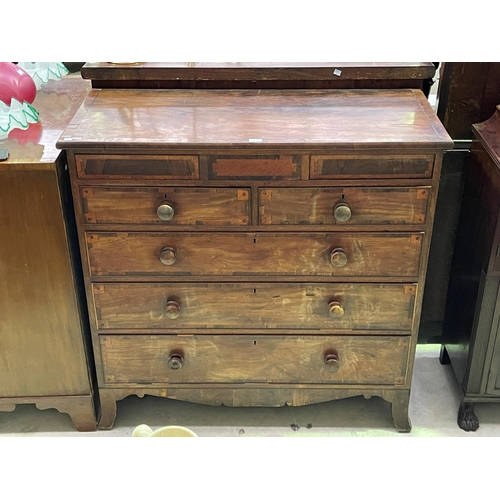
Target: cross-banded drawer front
[[137, 167], [343, 206], [253, 167], [166, 206], [253, 254], [254, 306], [168, 359], [371, 167]]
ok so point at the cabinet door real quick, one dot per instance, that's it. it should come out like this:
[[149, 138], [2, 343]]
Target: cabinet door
[[493, 385]]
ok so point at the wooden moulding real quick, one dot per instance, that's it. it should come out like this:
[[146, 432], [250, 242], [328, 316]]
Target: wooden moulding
[[259, 397], [488, 133], [79, 408]]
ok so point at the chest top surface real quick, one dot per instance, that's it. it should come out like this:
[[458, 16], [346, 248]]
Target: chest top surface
[[335, 119]]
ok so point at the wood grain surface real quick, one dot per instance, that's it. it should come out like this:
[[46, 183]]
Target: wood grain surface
[[335, 119], [252, 254], [207, 359], [255, 306]]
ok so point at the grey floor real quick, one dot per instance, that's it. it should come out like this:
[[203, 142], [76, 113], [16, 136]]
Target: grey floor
[[434, 402]]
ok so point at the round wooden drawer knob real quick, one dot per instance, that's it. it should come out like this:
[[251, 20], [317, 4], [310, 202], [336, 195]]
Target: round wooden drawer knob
[[342, 212], [175, 361], [165, 211], [172, 309], [338, 257], [336, 309], [332, 362], [168, 256]]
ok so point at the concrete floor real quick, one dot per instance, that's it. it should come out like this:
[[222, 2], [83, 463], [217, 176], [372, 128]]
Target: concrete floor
[[433, 411]]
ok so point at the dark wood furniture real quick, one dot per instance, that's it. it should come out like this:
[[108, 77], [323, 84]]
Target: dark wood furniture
[[255, 248], [471, 334], [261, 75], [43, 359], [468, 93]]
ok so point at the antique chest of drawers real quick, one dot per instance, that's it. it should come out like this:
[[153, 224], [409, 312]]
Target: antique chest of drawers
[[255, 248]]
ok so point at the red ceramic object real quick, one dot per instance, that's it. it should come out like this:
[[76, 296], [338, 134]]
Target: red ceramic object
[[15, 83], [32, 134]]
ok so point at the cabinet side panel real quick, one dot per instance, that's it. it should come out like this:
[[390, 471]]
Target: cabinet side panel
[[41, 349]]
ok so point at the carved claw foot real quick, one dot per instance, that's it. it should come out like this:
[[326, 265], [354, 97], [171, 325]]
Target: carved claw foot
[[467, 419]]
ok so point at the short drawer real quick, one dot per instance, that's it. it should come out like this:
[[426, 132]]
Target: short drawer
[[168, 359], [291, 306], [371, 167], [258, 167], [343, 206], [254, 254], [137, 167], [166, 206]]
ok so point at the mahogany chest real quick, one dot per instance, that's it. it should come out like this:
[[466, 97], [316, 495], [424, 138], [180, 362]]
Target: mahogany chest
[[252, 247]]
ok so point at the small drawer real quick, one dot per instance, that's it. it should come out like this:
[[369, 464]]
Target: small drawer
[[343, 206], [166, 206], [250, 254], [251, 306], [371, 167], [137, 167], [168, 359], [259, 167]]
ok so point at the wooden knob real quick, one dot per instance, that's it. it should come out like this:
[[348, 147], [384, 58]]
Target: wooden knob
[[168, 256], [336, 309], [342, 212], [175, 361], [165, 211], [172, 309], [332, 362], [338, 257]]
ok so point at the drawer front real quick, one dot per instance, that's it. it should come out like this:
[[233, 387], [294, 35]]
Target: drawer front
[[371, 167], [250, 254], [188, 206], [262, 167], [329, 307], [167, 359], [137, 167], [343, 206]]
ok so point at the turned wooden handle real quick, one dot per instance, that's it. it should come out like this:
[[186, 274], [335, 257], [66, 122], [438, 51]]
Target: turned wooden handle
[[175, 361], [332, 362], [336, 309], [165, 211], [338, 257], [172, 309], [168, 256], [342, 212]]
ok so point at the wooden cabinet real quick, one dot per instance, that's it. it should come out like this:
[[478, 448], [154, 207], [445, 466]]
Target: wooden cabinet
[[255, 248], [471, 340], [45, 357]]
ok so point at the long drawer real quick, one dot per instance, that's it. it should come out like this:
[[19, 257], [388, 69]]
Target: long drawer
[[166, 206], [253, 254], [169, 359], [294, 306], [343, 206]]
